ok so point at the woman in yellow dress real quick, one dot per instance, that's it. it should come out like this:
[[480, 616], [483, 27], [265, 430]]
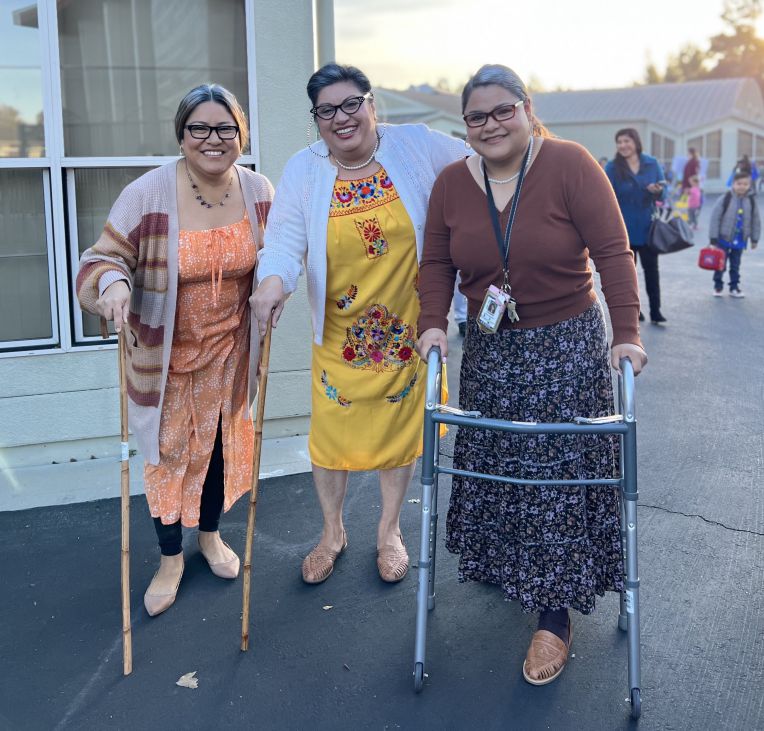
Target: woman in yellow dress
[[351, 208]]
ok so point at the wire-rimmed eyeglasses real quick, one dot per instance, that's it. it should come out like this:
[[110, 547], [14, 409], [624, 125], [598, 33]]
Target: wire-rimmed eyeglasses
[[203, 131], [502, 113], [350, 106]]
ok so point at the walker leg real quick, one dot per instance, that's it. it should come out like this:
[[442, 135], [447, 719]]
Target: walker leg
[[434, 523], [632, 570]]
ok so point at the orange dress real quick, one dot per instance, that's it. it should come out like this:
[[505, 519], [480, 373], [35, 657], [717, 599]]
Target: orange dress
[[207, 378]]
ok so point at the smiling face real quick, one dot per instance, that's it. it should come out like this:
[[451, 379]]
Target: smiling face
[[350, 137], [625, 146], [501, 143], [212, 157]]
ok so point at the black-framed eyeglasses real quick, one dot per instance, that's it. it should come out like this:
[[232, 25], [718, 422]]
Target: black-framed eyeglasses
[[502, 113], [350, 106], [203, 131]]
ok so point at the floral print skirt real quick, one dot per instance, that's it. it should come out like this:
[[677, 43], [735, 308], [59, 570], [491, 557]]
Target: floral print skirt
[[549, 547]]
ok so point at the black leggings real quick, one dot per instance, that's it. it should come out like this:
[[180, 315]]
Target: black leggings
[[171, 536]]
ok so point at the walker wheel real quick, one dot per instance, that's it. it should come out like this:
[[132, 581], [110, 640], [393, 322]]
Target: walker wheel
[[418, 677], [636, 703]]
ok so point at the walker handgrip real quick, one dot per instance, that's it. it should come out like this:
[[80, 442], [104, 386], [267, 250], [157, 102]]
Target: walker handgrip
[[626, 388], [434, 369]]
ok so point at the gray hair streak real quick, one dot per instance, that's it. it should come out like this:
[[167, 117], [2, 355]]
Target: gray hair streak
[[211, 93], [333, 73], [494, 74]]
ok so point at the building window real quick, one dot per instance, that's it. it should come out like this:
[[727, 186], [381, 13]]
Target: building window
[[126, 65], [21, 118], [744, 144], [27, 287], [713, 145], [86, 107]]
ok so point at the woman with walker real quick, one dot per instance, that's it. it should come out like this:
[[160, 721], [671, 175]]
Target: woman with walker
[[352, 207], [519, 220], [174, 267]]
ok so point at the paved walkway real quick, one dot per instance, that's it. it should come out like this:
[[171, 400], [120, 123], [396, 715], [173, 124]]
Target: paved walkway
[[340, 655]]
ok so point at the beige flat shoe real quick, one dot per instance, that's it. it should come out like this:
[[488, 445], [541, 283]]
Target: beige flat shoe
[[224, 569], [547, 656], [157, 603], [392, 563], [319, 563]]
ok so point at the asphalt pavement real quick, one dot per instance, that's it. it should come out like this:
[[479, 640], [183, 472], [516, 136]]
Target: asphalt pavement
[[340, 655]]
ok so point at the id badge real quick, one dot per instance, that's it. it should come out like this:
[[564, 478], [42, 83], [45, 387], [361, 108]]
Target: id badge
[[492, 310]]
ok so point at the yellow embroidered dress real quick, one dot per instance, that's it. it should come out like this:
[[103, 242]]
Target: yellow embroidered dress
[[367, 380]]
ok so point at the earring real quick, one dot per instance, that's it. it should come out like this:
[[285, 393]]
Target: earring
[[308, 134], [467, 144], [182, 154]]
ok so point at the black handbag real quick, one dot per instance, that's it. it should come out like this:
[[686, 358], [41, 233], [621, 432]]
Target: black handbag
[[669, 234]]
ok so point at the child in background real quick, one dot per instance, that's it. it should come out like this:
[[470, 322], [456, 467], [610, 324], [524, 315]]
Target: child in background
[[734, 220], [694, 201]]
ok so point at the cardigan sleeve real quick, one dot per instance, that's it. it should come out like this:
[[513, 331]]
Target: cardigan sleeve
[[444, 149], [436, 270], [595, 214], [286, 235], [114, 255]]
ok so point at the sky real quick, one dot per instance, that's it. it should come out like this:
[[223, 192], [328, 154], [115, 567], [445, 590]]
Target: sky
[[570, 44]]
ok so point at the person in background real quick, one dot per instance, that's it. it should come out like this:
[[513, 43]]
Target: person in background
[[460, 308], [745, 166], [552, 548], [694, 202], [603, 162], [351, 208], [638, 182], [174, 268], [691, 167], [734, 221]]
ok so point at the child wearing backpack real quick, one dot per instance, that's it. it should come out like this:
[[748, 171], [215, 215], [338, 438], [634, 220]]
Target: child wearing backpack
[[734, 220]]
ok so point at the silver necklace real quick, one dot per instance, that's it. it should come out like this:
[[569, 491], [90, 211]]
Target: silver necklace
[[496, 181], [363, 164], [198, 193]]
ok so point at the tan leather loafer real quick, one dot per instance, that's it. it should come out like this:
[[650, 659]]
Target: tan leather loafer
[[157, 603], [319, 563], [392, 563], [547, 656], [224, 569]]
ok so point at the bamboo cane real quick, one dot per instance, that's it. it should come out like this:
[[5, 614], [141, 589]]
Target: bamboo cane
[[127, 639], [265, 355]]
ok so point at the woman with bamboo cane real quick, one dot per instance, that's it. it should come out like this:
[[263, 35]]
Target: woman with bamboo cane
[[352, 207], [174, 268]]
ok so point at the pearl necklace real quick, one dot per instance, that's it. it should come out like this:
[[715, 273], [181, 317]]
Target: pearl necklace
[[198, 193], [496, 181], [363, 164]]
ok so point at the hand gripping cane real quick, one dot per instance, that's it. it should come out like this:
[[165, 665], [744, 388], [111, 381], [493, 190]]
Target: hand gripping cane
[[127, 639], [262, 380]]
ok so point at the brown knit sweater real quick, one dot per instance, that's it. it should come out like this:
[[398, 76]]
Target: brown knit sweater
[[567, 212]]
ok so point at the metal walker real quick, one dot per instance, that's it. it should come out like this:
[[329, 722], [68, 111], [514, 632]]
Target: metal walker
[[623, 424]]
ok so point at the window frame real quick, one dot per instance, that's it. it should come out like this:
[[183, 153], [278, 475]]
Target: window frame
[[60, 191]]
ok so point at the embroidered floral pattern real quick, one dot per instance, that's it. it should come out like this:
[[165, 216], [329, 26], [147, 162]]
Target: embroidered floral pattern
[[374, 242], [351, 195], [398, 397], [331, 392], [379, 341], [347, 299]]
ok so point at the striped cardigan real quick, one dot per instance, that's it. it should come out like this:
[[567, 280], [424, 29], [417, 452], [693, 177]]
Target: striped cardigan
[[140, 243]]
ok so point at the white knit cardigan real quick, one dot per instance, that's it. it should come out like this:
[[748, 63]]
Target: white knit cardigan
[[412, 154]]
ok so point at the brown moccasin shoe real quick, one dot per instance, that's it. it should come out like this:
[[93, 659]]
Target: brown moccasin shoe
[[547, 656], [319, 563], [392, 563]]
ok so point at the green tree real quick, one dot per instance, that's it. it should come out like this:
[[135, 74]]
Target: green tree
[[738, 51]]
